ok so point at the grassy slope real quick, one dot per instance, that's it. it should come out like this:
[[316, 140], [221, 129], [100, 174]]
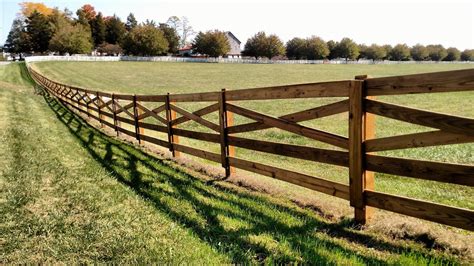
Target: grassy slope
[[159, 78], [69, 193]]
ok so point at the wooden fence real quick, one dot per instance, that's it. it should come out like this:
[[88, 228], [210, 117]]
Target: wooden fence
[[355, 152]]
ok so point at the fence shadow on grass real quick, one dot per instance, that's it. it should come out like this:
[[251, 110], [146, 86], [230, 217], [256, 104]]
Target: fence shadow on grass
[[261, 231]]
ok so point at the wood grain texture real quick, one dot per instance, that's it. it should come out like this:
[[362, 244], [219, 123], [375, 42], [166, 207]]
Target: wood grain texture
[[442, 172], [318, 184], [340, 158], [310, 114], [446, 81], [439, 213], [201, 112], [326, 137], [195, 118], [450, 123], [198, 153], [416, 140]]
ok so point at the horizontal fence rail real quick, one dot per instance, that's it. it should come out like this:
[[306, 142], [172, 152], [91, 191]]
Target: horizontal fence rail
[[131, 114]]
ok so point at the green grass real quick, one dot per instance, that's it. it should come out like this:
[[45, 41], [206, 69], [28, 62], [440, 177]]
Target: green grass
[[160, 78], [70, 194]]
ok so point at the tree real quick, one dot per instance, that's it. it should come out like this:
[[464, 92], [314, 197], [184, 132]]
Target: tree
[[467, 55], [363, 50], [72, 39], [388, 49], [436, 52], [115, 30], [174, 22], [213, 43], [18, 40], [419, 52], [99, 29], [131, 22], [27, 8], [295, 48], [333, 52], [348, 49], [171, 36], [316, 48], [145, 40], [453, 54], [376, 52], [39, 30], [262, 45], [401, 52], [187, 31]]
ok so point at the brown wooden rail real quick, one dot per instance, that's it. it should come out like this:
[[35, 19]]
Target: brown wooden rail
[[122, 112]]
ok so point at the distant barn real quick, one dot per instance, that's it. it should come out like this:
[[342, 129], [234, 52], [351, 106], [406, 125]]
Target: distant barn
[[234, 46]]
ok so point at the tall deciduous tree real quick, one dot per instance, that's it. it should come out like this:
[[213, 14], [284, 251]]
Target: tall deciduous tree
[[348, 49], [453, 54], [27, 8], [145, 40], [316, 48], [213, 43], [376, 52], [333, 52], [467, 55], [401, 52], [39, 30], [436, 52], [261, 45], [295, 48], [131, 22], [419, 52], [171, 36], [72, 39], [115, 30]]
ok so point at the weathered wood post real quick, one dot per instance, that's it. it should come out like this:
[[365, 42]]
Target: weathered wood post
[[170, 116], [223, 124], [114, 108], [135, 118], [99, 113], [361, 127]]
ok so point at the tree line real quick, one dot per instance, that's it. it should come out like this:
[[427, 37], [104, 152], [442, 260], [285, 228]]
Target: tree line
[[41, 29]]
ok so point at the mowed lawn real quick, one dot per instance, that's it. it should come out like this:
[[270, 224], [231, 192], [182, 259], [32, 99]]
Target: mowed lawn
[[70, 194], [163, 77]]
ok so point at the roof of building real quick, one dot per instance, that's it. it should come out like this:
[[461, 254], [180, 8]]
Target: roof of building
[[233, 36]]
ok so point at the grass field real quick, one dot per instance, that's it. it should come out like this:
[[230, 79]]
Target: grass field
[[160, 78], [71, 194]]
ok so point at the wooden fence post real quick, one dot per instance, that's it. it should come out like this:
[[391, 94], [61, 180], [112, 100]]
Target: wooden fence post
[[361, 126], [230, 122], [98, 109], [114, 108], [170, 116], [135, 118], [223, 133]]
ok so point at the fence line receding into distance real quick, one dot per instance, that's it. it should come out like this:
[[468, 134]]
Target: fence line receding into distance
[[355, 151]]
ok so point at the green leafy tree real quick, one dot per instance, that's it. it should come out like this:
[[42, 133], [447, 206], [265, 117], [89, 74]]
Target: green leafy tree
[[39, 30], [419, 52], [145, 40], [436, 52], [376, 52], [467, 55], [171, 36], [348, 49], [99, 29], [363, 50], [453, 54], [401, 52], [18, 40], [295, 48], [213, 43], [72, 39], [388, 50], [131, 22], [261, 45], [333, 52], [316, 48], [115, 30]]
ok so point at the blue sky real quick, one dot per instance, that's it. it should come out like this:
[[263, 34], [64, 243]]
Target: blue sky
[[450, 23]]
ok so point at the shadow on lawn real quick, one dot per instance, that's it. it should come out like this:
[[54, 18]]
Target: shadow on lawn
[[205, 205]]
